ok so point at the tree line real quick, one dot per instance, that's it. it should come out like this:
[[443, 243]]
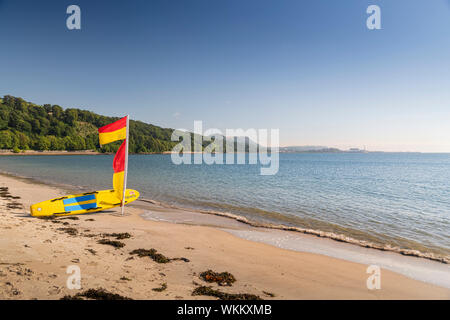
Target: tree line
[[28, 126]]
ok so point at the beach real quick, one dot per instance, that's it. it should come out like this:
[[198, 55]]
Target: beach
[[36, 254]]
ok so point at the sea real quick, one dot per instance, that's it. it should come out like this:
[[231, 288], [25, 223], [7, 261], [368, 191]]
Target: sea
[[397, 200]]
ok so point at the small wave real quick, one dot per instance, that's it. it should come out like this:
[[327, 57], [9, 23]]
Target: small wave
[[318, 233]]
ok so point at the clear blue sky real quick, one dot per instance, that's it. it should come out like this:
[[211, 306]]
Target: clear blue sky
[[310, 68]]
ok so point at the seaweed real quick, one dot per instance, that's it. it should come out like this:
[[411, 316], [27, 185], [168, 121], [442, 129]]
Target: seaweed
[[89, 220], [96, 294], [160, 289], [91, 251], [89, 235], [208, 291], [125, 279], [152, 253], [222, 279], [71, 218], [118, 236], [75, 297], [4, 192], [180, 259], [14, 205], [70, 231], [115, 244], [155, 256], [270, 294], [47, 218]]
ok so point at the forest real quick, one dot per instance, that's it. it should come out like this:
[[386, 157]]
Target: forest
[[28, 126]]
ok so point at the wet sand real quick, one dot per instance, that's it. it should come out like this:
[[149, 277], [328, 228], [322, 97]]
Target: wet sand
[[35, 255]]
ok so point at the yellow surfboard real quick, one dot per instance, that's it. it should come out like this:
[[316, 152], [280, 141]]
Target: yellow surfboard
[[81, 203]]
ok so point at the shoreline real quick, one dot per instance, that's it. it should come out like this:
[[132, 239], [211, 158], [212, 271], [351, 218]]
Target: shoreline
[[337, 237], [4, 152], [417, 268], [51, 153], [39, 245], [313, 232]]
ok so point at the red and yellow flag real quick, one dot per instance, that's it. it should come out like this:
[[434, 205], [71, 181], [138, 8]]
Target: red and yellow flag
[[119, 170], [113, 131]]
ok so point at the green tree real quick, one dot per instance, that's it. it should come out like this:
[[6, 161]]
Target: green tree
[[6, 141], [22, 141], [43, 144], [71, 115], [57, 111]]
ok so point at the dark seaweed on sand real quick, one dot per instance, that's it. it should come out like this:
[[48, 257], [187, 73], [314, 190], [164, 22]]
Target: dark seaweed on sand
[[71, 231], [118, 236], [96, 294], [4, 193], [222, 278], [208, 291], [152, 253], [160, 289], [47, 218], [14, 205], [155, 256], [115, 244], [270, 294], [92, 251]]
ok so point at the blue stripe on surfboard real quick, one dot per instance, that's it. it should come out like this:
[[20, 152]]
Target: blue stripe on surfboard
[[79, 199], [80, 207]]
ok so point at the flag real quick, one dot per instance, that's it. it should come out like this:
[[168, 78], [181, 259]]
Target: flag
[[119, 170], [113, 131]]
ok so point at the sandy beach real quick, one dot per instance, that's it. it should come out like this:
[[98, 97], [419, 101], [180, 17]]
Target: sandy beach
[[36, 253]]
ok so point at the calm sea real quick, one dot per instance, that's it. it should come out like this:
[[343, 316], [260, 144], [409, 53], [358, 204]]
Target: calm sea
[[401, 199]]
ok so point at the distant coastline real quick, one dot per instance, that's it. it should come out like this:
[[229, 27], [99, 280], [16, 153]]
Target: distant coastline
[[48, 153], [6, 152]]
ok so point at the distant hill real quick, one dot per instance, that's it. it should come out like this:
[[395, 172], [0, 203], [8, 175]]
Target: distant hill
[[28, 126], [309, 149], [301, 148]]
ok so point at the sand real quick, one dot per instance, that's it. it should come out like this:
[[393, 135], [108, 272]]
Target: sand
[[35, 255]]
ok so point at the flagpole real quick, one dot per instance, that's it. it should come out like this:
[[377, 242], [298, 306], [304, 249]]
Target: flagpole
[[126, 164]]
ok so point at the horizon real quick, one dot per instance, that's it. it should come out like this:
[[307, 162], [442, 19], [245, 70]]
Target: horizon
[[311, 68]]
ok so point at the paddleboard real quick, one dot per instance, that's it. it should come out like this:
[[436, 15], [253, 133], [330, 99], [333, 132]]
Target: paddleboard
[[81, 203]]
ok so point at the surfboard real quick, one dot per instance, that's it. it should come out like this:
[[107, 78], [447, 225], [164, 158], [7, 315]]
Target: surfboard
[[81, 203]]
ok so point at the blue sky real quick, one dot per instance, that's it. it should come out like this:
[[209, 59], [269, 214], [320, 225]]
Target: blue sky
[[310, 68]]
